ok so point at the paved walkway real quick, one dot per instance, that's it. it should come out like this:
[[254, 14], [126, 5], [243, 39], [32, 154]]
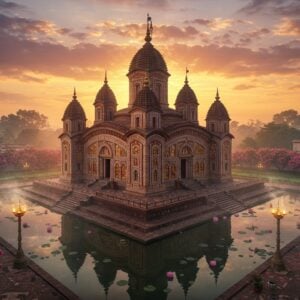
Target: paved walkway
[[287, 283], [31, 283]]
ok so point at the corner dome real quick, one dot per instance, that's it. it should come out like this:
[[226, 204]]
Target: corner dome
[[186, 95], [74, 110], [148, 59], [217, 110], [146, 99], [105, 95]]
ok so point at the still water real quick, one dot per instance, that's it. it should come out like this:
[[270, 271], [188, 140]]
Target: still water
[[199, 263]]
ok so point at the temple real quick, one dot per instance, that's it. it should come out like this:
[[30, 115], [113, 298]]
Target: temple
[[147, 147], [147, 171]]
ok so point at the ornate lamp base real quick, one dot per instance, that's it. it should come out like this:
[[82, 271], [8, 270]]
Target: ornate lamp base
[[277, 263]]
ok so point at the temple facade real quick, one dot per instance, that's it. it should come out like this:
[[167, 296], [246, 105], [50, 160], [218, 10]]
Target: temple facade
[[147, 147]]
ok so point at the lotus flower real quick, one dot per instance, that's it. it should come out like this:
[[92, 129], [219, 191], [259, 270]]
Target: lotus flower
[[170, 276], [49, 229], [213, 263], [215, 219]]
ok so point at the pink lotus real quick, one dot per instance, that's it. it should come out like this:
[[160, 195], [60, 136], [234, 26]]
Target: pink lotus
[[49, 229], [170, 276], [25, 225], [213, 263], [224, 217], [215, 219]]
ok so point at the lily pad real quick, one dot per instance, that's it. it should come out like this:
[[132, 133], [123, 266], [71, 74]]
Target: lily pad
[[242, 232], [183, 262], [106, 260], [122, 282], [149, 288], [45, 245], [167, 290]]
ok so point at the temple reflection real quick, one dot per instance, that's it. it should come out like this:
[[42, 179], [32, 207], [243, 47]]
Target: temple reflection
[[146, 265]]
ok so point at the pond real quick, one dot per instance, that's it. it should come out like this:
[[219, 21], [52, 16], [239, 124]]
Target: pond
[[201, 262]]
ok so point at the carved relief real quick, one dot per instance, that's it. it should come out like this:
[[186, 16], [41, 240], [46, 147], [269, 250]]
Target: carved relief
[[117, 171], [199, 150], [120, 152], [92, 149], [123, 171]]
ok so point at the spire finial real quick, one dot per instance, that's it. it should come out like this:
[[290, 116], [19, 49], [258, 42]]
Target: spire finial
[[217, 95], [74, 94], [148, 36], [186, 77], [105, 77]]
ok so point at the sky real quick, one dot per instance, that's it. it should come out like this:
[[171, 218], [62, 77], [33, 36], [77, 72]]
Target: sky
[[249, 49]]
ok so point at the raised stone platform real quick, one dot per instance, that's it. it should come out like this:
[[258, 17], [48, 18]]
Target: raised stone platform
[[147, 218]]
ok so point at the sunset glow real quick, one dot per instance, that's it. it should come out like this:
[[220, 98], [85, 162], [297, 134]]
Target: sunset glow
[[249, 49]]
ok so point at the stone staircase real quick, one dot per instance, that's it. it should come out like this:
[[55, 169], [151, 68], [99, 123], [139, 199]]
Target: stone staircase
[[226, 202], [192, 184], [70, 202]]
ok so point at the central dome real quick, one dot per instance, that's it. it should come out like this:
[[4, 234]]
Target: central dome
[[148, 59]]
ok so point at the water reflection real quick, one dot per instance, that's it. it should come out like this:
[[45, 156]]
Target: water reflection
[[146, 265]]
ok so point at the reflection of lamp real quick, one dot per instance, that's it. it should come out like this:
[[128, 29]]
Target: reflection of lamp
[[277, 261], [20, 260], [260, 166], [26, 166]]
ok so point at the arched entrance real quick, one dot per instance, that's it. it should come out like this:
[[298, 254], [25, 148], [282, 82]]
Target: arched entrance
[[186, 162], [105, 163]]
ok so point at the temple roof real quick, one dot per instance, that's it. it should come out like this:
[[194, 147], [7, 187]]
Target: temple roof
[[217, 110], [146, 99], [148, 58], [105, 95], [186, 94], [74, 110]]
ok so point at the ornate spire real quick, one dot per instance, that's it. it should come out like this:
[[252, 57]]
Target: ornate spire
[[105, 78], [148, 36], [74, 94], [217, 95], [186, 77]]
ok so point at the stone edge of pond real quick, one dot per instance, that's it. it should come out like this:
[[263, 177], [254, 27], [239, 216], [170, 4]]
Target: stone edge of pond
[[54, 283], [247, 280]]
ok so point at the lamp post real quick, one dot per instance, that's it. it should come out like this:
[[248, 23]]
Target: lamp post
[[20, 260], [277, 261]]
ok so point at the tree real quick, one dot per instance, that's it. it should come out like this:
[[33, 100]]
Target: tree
[[12, 124], [277, 136], [249, 142], [289, 117]]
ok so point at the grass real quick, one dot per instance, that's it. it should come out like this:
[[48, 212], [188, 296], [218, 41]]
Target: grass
[[27, 175], [268, 175]]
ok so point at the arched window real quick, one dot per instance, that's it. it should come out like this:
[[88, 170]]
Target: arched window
[[110, 115], [225, 127], [137, 122], [66, 167], [99, 114], [79, 126], [137, 88], [193, 115], [159, 91], [67, 127], [226, 166], [135, 175], [154, 122], [155, 175], [212, 126]]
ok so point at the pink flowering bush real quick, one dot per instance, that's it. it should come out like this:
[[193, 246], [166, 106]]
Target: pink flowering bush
[[29, 159], [267, 158]]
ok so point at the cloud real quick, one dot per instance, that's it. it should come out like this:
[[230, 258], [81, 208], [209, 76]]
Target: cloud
[[137, 3], [279, 7], [9, 6], [35, 29], [137, 31], [288, 27], [238, 61], [215, 24], [294, 87], [13, 97], [241, 87]]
